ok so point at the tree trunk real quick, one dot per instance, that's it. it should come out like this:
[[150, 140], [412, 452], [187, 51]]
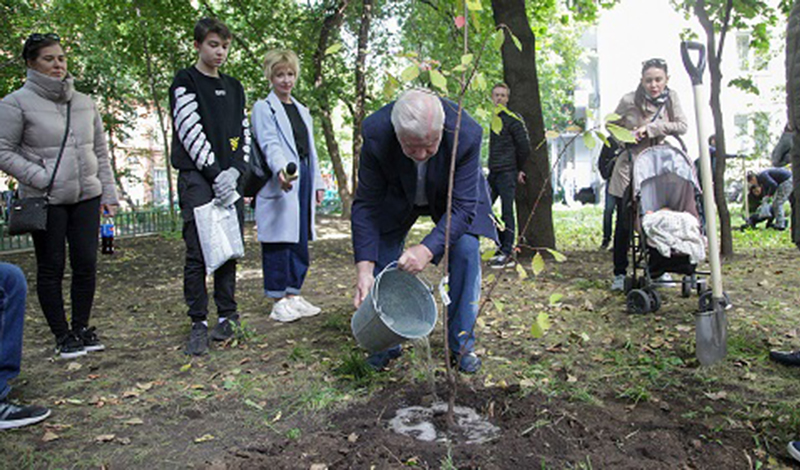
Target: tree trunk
[[330, 24], [113, 161], [714, 62], [361, 85], [535, 198], [793, 109]]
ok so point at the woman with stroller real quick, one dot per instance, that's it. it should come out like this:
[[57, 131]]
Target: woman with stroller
[[651, 113]]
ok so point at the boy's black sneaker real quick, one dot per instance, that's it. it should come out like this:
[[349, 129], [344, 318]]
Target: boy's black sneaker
[[502, 261], [198, 340], [90, 340], [226, 328], [14, 416], [70, 346], [794, 450], [787, 358]]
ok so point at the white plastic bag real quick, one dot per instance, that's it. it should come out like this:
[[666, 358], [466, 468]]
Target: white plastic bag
[[220, 237]]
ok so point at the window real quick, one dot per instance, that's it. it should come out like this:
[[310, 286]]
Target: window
[[160, 187], [743, 50]]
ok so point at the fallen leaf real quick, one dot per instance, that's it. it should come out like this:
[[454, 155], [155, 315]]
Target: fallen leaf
[[105, 438], [186, 367], [717, 395], [527, 383], [73, 366], [133, 422], [130, 394], [50, 436], [571, 378], [352, 437], [145, 386], [124, 440], [204, 438]]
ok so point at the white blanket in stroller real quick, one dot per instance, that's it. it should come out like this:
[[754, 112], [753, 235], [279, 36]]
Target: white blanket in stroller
[[670, 231]]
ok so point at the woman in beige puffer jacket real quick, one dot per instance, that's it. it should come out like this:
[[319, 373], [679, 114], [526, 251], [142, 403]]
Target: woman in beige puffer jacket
[[32, 125]]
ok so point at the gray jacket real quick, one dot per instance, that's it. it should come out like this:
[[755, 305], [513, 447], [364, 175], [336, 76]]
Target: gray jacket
[[32, 124]]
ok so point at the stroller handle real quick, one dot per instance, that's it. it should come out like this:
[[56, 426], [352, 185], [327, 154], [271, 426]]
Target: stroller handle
[[695, 71]]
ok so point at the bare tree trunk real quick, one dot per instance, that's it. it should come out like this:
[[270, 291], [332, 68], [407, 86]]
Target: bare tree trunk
[[330, 24], [361, 85], [160, 113], [714, 62], [534, 199]]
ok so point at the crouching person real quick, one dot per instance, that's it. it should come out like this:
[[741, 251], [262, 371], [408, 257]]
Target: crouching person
[[403, 174]]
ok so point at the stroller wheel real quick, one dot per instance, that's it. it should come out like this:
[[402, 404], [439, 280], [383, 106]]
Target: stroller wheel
[[686, 286], [655, 299], [705, 302], [638, 302]]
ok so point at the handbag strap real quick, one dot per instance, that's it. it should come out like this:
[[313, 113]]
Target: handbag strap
[[60, 152]]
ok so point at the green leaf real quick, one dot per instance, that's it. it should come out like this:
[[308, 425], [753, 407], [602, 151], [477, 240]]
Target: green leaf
[[333, 49], [537, 264], [516, 42], [410, 73], [612, 117], [557, 255], [498, 39], [498, 305], [521, 272], [602, 137], [186, 367], [621, 134], [490, 278], [487, 255], [541, 325], [438, 80], [253, 404], [390, 86], [474, 5], [466, 59], [497, 124], [588, 140], [555, 299], [459, 68]]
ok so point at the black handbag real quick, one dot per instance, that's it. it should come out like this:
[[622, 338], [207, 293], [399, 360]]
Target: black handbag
[[257, 173], [29, 214]]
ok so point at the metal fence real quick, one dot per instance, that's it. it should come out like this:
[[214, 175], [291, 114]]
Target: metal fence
[[126, 224]]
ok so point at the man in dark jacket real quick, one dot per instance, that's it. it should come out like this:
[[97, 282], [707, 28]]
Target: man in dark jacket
[[404, 172], [508, 151]]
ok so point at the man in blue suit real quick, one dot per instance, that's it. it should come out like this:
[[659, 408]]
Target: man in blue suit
[[403, 174]]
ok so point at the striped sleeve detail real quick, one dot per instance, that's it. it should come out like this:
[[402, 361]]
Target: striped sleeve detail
[[247, 139], [190, 129]]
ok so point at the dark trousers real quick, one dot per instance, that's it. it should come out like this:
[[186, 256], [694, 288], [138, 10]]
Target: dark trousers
[[622, 234], [78, 224], [285, 265], [13, 291], [608, 216], [504, 185], [194, 191]]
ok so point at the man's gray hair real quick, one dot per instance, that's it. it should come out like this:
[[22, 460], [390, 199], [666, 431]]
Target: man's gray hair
[[416, 113]]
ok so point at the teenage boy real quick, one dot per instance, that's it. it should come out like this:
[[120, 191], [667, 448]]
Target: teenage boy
[[210, 136], [13, 291]]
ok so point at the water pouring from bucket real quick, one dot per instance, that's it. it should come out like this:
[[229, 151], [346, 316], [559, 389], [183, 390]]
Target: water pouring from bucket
[[398, 307]]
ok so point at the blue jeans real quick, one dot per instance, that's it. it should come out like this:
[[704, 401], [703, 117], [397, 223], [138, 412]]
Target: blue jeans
[[13, 291], [465, 284], [285, 265]]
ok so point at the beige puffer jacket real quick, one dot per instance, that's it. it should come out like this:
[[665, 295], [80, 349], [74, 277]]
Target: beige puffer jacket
[[32, 123]]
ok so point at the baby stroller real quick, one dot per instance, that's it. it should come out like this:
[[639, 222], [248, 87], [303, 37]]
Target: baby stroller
[[667, 231]]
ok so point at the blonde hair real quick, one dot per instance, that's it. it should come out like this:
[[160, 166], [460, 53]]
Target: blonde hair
[[416, 113], [280, 58]]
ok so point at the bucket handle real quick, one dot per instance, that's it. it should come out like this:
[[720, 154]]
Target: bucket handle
[[375, 286], [695, 71]]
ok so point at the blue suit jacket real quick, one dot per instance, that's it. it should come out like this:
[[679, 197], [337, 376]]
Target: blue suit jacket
[[387, 181]]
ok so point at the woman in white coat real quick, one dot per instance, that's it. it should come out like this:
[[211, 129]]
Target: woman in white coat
[[285, 205]]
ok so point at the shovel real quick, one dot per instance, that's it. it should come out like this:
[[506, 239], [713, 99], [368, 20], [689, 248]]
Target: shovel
[[711, 324]]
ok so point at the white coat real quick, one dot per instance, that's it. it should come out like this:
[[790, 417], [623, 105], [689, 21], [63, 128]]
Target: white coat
[[277, 211]]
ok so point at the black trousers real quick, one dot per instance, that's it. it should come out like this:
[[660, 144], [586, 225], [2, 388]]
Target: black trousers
[[622, 234], [194, 191], [76, 224], [504, 185]]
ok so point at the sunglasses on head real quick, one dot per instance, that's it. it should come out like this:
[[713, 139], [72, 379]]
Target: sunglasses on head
[[661, 63], [38, 37]]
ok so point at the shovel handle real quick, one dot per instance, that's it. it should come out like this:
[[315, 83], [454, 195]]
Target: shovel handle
[[695, 70]]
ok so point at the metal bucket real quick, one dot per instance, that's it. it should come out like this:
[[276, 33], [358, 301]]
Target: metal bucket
[[399, 307]]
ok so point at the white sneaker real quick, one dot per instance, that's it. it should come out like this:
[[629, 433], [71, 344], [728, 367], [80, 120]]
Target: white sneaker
[[304, 307], [282, 311], [618, 283], [665, 280]]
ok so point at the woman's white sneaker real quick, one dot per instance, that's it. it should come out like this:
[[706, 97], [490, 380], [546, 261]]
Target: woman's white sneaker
[[304, 307], [284, 311]]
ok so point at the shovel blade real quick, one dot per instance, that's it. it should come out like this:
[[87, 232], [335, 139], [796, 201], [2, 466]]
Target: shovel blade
[[711, 336]]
